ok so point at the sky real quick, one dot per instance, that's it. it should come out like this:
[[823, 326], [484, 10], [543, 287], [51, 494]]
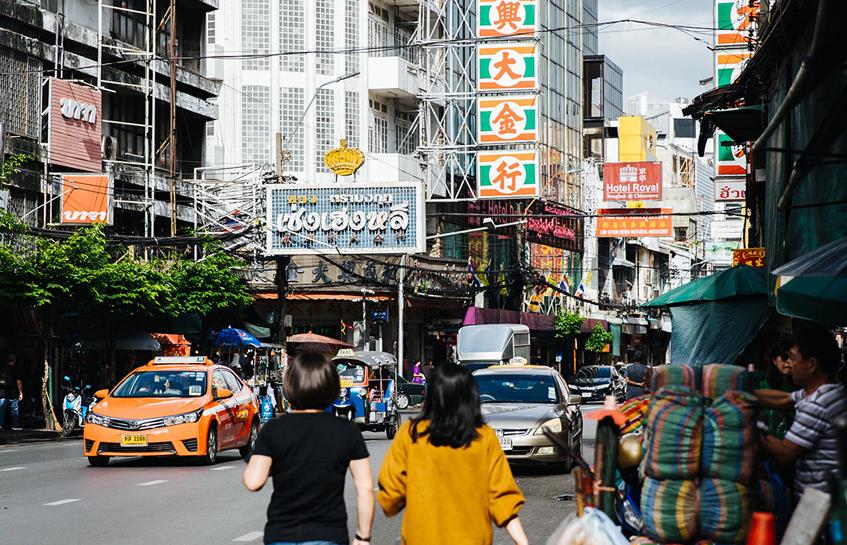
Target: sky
[[664, 62]]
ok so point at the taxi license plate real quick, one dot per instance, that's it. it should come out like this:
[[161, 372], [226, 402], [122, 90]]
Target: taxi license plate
[[506, 443], [346, 382], [133, 440]]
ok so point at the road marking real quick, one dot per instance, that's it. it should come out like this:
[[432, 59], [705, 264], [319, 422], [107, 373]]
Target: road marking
[[251, 536], [152, 483], [5, 450], [12, 468], [62, 502], [221, 468]]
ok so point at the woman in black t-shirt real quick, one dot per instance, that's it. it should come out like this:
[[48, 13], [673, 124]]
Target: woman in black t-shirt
[[308, 453]]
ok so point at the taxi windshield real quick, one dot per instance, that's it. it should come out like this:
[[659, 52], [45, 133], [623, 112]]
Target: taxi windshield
[[163, 384], [516, 388]]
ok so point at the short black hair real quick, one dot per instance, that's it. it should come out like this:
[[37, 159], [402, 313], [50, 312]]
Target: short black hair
[[780, 348], [311, 382], [818, 342], [452, 408]]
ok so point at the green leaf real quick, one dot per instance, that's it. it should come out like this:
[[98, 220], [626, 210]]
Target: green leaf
[[567, 324], [598, 339]]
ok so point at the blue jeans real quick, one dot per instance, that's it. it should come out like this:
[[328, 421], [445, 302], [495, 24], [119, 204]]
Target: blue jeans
[[303, 543], [14, 405]]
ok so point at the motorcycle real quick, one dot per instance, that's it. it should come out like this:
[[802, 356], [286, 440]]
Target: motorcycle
[[76, 406]]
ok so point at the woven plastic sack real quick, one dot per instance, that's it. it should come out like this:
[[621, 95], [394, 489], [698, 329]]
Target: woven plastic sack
[[674, 375], [675, 435], [719, 379], [729, 442], [724, 511], [670, 510]]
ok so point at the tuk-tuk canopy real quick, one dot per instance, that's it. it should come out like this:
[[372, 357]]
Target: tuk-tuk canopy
[[370, 358]]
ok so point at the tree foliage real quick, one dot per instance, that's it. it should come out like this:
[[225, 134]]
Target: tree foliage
[[598, 339], [12, 165], [567, 324]]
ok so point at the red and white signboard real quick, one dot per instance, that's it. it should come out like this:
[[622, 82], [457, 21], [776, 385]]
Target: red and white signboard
[[74, 128], [632, 181], [730, 190], [86, 199]]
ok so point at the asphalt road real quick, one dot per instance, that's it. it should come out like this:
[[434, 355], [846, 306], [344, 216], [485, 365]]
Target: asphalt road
[[50, 496]]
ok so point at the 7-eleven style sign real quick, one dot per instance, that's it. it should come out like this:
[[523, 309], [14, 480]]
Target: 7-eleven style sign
[[735, 21], [498, 18], [729, 65], [507, 174], [508, 119], [507, 66], [731, 157]]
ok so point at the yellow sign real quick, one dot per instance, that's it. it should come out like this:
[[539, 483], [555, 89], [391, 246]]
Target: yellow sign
[[636, 140], [343, 160], [753, 257]]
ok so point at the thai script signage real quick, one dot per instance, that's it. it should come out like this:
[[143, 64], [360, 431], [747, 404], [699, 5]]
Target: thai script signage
[[730, 190], [508, 174], [74, 126], [86, 199], [632, 181], [753, 257], [634, 222], [508, 119], [507, 67], [500, 18], [354, 219]]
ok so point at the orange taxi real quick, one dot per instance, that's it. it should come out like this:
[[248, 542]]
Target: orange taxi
[[173, 406]]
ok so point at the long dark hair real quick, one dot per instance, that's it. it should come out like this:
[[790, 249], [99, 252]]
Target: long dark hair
[[452, 408]]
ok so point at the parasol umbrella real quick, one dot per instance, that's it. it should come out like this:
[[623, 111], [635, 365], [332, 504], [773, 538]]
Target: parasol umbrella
[[814, 286], [235, 337], [318, 343]]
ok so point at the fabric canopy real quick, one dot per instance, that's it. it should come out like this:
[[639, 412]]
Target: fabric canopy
[[536, 322], [812, 298], [733, 282], [741, 124], [829, 260], [715, 331], [235, 337]]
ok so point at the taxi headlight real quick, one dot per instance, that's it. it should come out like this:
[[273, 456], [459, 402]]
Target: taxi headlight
[[187, 418], [98, 420], [554, 425]]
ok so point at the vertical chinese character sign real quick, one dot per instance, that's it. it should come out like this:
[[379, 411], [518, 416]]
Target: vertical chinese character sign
[[508, 119], [507, 67], [503, 18], [507, 174]]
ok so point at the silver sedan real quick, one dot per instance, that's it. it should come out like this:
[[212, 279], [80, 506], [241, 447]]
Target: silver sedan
[[519, 401]]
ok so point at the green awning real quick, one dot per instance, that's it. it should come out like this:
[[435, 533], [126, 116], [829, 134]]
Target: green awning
[[813, 298], [733, 282], [741, 124]]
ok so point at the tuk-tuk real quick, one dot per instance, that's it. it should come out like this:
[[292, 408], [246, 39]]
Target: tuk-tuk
[[367, 394]]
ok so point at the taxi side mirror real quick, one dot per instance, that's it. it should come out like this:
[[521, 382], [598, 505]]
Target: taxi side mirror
[[574, 399], [223, 393], [101, 394]]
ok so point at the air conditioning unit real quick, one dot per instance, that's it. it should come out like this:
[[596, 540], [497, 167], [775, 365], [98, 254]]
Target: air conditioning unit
[[109, 148]]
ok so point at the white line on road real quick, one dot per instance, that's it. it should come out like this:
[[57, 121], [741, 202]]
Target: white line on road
[[152, 483], [5, 450], [12, 468], [252, 536], [62, 502], [221, 468]]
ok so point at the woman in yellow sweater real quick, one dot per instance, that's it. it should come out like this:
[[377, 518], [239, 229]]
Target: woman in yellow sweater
[[446, 468]]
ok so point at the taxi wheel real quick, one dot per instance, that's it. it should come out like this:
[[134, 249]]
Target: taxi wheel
[[211, 446], [98, 461], [251, 442]]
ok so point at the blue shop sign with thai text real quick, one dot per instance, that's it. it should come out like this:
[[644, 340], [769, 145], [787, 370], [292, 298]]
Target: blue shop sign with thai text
[[346, 218]]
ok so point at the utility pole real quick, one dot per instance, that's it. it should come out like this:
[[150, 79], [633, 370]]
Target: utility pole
[[172, 139], [282, 262]]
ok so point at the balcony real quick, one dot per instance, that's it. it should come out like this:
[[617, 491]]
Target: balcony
[[392, 167], [393, 77]]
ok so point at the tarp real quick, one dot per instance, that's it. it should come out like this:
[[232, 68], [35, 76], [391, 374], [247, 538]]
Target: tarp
[[715, 331], [733, 282]]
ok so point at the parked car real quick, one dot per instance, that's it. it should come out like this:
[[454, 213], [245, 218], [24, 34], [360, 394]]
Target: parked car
[[520, 401], [409, 393], [595, 382]]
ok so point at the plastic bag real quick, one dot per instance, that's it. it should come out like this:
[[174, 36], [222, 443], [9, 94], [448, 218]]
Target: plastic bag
[[592, 528]]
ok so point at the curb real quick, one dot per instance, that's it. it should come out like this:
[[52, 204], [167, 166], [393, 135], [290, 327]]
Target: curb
[[29, 436]]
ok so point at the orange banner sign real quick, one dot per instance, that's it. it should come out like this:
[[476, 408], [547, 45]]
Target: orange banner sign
[[634, 222], [86, 199]]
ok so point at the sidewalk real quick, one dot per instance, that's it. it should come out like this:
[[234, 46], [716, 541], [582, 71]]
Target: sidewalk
[[28, 436]]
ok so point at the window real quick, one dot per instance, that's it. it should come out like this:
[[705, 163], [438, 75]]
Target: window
[[290, 110], [407, 140], [324, 36], [210, 28], [255, 33], [351, 35], [292, 20], [210, 128], [232, 382], [351, 118], [680, 234], [379, 33], [378, 130], [255, 124], [324, 125], [163, 384]]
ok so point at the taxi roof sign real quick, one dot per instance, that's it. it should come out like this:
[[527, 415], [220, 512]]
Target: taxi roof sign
[[345, 352], [518, 360], [179, 360]]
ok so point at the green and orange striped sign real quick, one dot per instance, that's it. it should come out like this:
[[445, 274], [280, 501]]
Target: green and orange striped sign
[[507, 66], [507, 174], [735, 21], [507, 119], [502, 18], [729, 64], [732, 157]]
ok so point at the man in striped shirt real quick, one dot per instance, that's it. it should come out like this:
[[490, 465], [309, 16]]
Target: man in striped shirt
[[811, 442]]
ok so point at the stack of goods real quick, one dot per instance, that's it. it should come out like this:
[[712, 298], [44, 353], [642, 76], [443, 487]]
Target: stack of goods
[[693, 438], [672, 463]]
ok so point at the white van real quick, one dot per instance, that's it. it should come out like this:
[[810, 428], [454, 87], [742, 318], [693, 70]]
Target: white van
[[481, 346]]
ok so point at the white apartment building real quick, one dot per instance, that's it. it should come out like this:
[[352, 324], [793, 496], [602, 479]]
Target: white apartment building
[[255, 47]]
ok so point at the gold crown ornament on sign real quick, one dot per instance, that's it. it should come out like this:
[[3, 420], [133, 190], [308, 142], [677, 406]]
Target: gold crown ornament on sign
[[344, 160]]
